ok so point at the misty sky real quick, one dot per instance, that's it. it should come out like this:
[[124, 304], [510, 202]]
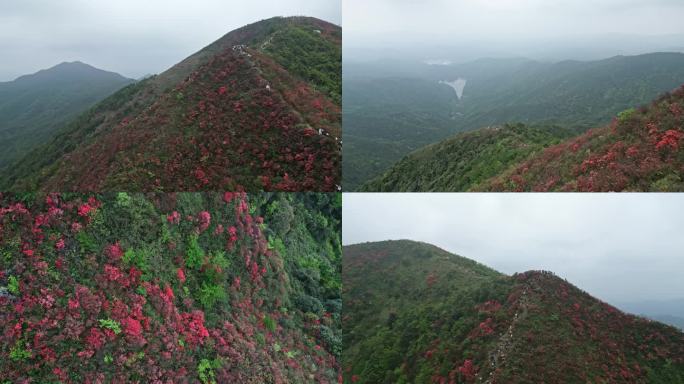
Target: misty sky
[[618, 247], [131, 37], [516, 27]]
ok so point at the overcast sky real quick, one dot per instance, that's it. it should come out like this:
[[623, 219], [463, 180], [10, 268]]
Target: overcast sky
[[132, 37], [508, 24], [618, 247]]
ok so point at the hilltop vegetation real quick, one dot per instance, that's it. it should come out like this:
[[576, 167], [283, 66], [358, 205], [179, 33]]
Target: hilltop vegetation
[[467, 159], [256, 110], [387, 116], [33, 107], [417, 314], [187, 287], [639, 151]]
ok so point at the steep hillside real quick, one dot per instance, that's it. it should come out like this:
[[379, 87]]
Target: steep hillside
[[389, 116], [458, 163], [639, 151], [188, 288], [32, 107], [417, 314], [256, 110]]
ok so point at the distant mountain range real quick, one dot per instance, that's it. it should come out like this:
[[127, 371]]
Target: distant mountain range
[[414, 313], [259, 109], [392, 113], [667, 311], [33, 107]]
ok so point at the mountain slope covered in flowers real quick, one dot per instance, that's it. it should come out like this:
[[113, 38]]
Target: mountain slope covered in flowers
[[161, 288], [259, 109], [641, 150], [415, 313]]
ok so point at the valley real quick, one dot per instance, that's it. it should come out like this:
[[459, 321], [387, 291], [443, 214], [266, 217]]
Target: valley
[[389, 116]]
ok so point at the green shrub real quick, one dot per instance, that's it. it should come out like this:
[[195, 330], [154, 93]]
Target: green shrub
[[19, 352], [13, 285], [194, 254], [626, 114], [211, 294], [269, 323], [111, 324], [205, 370]]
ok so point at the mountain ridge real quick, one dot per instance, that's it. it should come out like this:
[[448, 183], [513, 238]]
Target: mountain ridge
[[412, 317], [230, 99]]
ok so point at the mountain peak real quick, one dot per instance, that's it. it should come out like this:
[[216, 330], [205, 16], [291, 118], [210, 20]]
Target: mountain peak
[[69, 71], [262, 103], [427, 320]]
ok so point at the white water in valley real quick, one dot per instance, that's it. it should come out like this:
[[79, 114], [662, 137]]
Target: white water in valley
[[457, 86]]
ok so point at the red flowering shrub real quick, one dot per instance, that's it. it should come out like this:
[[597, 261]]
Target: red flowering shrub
[[181, 275], [467, 371], [670, 139], [641, 153], [112, 273], [95, 339], [173, 218], [114, 252], [204, 220]]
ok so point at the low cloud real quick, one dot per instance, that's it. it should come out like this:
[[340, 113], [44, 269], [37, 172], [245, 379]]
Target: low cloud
[[618, 247], [131, 37]]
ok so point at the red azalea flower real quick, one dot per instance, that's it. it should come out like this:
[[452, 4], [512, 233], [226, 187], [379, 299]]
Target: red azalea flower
[[204, 220], [84, 210], [173, 218], [131, 327], [114, 251], [181, 275], [112, 273]]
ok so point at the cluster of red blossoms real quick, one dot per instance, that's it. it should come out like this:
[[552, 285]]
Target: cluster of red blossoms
[[107, 316]]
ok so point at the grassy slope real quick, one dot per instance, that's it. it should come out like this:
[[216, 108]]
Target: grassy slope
[[183, 131], [261, 304], [417, 314]]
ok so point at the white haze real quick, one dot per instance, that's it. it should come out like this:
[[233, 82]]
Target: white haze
[[540, 29], [618, 247], [131, 37]]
